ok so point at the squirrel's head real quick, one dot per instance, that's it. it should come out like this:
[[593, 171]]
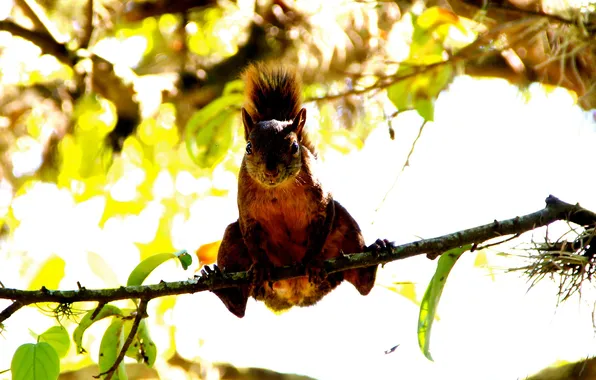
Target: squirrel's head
[[273, 148]]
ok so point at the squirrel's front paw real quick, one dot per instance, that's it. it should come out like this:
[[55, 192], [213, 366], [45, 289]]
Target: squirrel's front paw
[[381, 246], [315, 270], [209, 274]]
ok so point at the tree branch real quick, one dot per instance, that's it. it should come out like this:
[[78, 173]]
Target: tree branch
[[479, 49], [137, 11], [141, 313], [38, 17], [10, 310], [515, 10], [88, 30], [555, 210], [44, 41]]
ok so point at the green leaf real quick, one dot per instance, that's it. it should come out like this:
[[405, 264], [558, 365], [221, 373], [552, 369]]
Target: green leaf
[[57, 337], [235, 86], [86, 322], [109, 348], [441, 77], [400, 94], [430, 301], [145, 267], [425, 108], [185, 259], [148, 347], [143, 348], [210, 133], [419, 92], [35, 361]]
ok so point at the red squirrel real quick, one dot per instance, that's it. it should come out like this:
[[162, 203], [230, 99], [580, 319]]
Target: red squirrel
[[286, 216]]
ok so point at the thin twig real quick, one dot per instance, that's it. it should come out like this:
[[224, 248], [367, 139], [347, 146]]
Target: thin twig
[[10, 310], [45, 42], [404, 166], [88, 31], [476, 50], [40, 21], [528, 12], [555, 210], [481, 247], [97, 310], [141, 313]]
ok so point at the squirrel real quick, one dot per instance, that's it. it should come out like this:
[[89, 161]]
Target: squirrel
[[286, 216]]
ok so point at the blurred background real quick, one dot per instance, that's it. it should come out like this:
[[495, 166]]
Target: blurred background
[[120, 138]]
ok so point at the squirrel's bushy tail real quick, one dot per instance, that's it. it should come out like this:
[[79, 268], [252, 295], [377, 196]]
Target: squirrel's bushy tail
[[272, 92]]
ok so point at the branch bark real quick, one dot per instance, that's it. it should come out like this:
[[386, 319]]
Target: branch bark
[[38, 17], [44, 41], [141, 313], [555, 210], [88, 31]]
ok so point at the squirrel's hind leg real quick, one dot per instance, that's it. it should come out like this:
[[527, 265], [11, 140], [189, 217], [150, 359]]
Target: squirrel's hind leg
[[348, 238], [362, 278], [233, 257]]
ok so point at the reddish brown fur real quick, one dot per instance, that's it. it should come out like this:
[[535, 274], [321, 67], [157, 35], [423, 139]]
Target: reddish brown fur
[[287, 217], [284, 211], [271, 92]]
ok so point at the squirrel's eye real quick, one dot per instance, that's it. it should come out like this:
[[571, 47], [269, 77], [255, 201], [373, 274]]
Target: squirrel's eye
[[248, 148], [294, 148]]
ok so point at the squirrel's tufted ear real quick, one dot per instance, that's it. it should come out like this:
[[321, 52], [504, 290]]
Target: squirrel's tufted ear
[[248, 122], [298, 123]]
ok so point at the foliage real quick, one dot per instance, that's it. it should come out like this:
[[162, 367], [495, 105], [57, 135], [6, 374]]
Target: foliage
[[419, 88], [119, 142], [42, 359], [430, 300], [35, 361]]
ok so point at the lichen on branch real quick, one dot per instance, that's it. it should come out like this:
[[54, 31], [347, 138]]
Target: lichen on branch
[[555, 210]]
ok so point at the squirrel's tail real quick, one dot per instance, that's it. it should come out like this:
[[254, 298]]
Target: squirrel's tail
[[272, 92]]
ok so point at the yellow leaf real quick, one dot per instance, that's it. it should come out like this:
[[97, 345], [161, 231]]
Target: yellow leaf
[[436, 16], [147, 131], [341, 140], [160, 130], [101, 269], [95, 114], [162, 241], [207, 253], [70, 160], [49, 275], [132, 151], [406, 289], [164, 305], [116, 208], [480, 260]]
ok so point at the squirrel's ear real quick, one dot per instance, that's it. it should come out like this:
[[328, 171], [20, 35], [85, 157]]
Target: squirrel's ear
[[247, 121], [298, 122]]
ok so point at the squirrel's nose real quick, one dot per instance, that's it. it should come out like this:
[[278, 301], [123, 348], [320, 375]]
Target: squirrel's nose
[[272, 173]]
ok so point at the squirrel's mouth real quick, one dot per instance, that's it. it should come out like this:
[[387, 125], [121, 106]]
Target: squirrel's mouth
[[271, 182]]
